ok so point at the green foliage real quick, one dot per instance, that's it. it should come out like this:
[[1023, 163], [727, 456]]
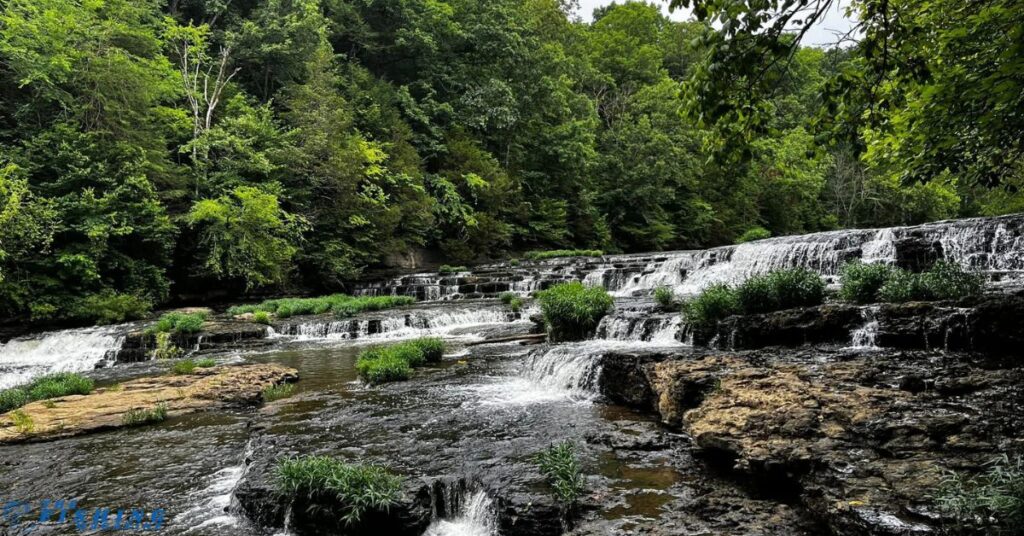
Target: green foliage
[[395, 362], [665, 298], [561, 467], [861, 283], [341, 305], [261, 317], [22, 422], [357, 488], [165, 347], [185, 366], [53, 385], [943, 281], [447, 269], [277, 392], [142, 416], [752, 234], [512, 300], [715, 303], [780, 289], [111, 308], [573, 310], [206, 362], [553, 254], [992, 501], [177, 322]]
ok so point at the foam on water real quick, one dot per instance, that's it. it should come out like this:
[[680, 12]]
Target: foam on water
[[476, 517], [71, 350], [210, 504]]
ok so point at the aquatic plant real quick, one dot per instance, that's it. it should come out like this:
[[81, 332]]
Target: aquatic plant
[[185, 366], [340, 304], [206, 362], [512, 300], [715, 303], [395, 362], [943, 281], [140, 416], [551, 254], [665, 297], [49, 386], [357, 488], [446, 269], [861, 283], [561, 467], [781, 289], [178, 322], [573, 310], [992, 501], [277, 392], [261, 317]]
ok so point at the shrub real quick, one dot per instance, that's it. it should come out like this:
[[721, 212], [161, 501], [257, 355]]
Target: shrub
[[541, 255], [861, 282], [446, 269], [139, 416], [395, 362], [277, 392], [13, 398], [994, 499], [561, 467], [943, 281], [573, 310], [261, 317], [781, 289], [185, 366], [903, 286], [177, 322], [371, 303], [512, 300], [23, 422], [165, 347], [754, 233], [206, 362], [110, 307], [358, 488], [665, 297], [713, 304], [339, 304]]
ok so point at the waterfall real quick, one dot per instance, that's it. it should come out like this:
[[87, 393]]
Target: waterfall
[[573, 368], [640, 326], [72, 350], [864, 337], [410, 324], [473, 516], [210, 505]]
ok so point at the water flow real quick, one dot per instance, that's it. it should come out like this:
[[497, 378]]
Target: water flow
[[72, 350], [475, 517], [406, 325], [210, 505], [865, 337]]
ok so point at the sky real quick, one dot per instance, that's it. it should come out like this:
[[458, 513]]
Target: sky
[[821, 34]]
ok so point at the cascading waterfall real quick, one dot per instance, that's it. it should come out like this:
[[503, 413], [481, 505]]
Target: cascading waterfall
[[72, 350], [411, 324], [573, 368], [475, 517], [640, 327], [864, 337]]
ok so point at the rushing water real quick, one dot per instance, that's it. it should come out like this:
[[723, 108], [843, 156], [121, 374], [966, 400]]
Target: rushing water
[[474, 517], [72, 350]]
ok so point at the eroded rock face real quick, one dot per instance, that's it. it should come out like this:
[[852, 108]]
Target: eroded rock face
[[178, 394], [863, 439]]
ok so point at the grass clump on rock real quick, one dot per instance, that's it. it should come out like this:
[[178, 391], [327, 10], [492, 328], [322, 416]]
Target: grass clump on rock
[[140, 416], [861, 282], [358, 488], [752, 234], [713, 304], [781, 289], [572, 310], [277, 392], [552, 254], [992, 501], [512, 300], [177, 322], [665, 297], [261, 317], [185, 366], [870, 283], [44, 387], [395, 362], [339, 304], [446, 269], [561, 467]]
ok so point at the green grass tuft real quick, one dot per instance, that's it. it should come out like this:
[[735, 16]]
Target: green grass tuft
[[446, 269], [992, 502], [752, 234], [573, 310], [665, 298], [395, 362], [261, 317], [561, 467], [44, 387], [552, 254], [943, 281], [861, 283], [781, 289], [716, 303], [206, 362], [23, 422], [139, 416], [176, 322], [277, 392], [357, 488], [512, 300], [185, 366], [341, 305]]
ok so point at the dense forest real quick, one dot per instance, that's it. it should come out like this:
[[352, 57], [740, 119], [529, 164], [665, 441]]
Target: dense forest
[[150, 148]]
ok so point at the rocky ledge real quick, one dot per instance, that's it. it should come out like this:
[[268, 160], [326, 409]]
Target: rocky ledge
[[862, 441], [107, 408]]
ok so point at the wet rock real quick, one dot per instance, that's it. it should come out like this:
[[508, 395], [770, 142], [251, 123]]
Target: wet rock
[[624, 377], [106, 408]]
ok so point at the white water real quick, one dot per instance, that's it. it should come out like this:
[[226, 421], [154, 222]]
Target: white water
[[210, 504], [407, 325], [72, 350], [476, 517], [864, 338], [640, 327]]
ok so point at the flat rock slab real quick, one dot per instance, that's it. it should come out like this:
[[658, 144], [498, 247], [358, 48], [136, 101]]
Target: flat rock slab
[[104, 409]]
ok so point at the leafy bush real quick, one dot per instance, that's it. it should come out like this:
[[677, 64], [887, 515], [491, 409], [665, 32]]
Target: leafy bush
[[861, 282], [111, 307], [781, 289], [754, 233], [178, 322], [49, 386], [358, 488], [943, 281], [139, 416], [715, 303], [512, 300], [339, 304], [395, 362], [560, 465], [165, 347], [277, 392], [185, 366], [541, 255], [23, 422], [261, 317], [665, 297], [447, 269], [994, 499], [573, 310], [206, 362]]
